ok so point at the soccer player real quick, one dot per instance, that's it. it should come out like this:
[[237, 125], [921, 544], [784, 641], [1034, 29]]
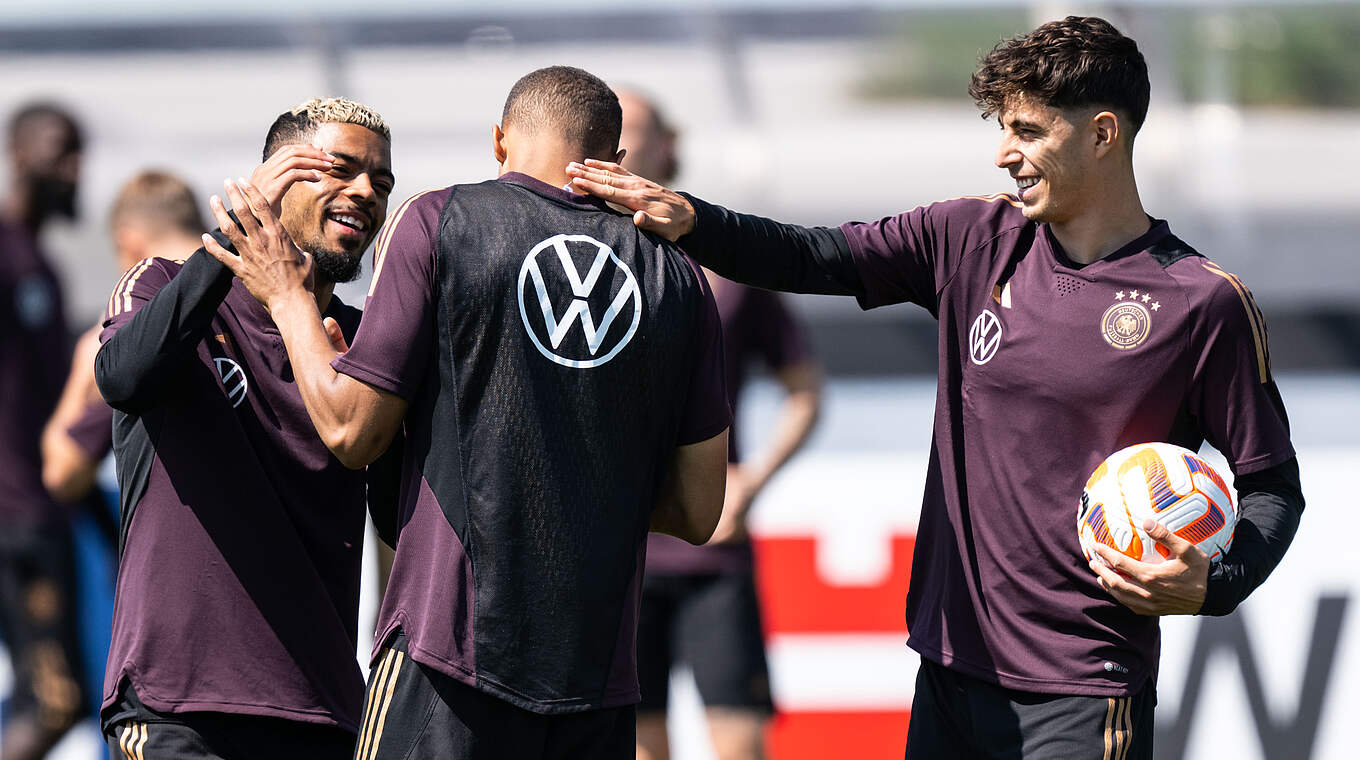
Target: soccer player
[[564, 379], [37, 604], [1071, 324], [699, 604], [235, 617], [154, 216]]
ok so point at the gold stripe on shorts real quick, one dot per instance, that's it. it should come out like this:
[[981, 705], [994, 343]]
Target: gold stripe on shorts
[[375, 690], [387, 702]]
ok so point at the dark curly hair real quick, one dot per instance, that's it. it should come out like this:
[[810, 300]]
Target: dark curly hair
[[1079, 61]]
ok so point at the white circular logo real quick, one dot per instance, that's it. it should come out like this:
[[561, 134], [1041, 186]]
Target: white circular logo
[[553, 296], [984, 337], [234, 382]]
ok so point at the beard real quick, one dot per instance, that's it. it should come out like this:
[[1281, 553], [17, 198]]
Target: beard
[[54, 197], [336, 266]]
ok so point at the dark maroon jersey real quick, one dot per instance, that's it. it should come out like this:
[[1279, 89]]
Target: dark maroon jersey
[[554, 357], [34, 358], [757, 327], [93, 430], [1045, 369], [238, 578]]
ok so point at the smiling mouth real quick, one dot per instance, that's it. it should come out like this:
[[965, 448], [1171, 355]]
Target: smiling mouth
[[352, 222], [1023, 184]]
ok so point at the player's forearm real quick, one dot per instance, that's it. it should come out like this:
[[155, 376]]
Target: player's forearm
[[342, 409], [798, 416], [67, 471], [1271, 503], [769, 254], [144, 355]]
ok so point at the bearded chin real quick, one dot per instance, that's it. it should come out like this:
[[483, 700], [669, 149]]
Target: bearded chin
[[337, 267]]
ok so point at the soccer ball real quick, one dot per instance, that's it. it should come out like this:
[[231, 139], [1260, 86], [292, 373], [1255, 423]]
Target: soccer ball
[[1167, 483]]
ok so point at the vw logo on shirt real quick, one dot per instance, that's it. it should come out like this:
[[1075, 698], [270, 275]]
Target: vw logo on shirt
[[234, 382], [984, 337], [555, 297]]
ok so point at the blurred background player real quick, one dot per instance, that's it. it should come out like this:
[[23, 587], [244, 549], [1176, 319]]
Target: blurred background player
[[564, 375], [37, 604], [235, 624], [154, 216], [699, 604]]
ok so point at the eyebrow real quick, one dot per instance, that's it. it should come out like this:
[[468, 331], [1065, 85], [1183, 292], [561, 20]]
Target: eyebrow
[[354, 160]]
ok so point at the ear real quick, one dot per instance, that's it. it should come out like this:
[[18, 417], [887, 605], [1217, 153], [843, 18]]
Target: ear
[[1105, 128], [498, 149], [618, 157]]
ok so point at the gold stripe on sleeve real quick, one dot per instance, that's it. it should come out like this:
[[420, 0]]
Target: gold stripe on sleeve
[[125, 291], [385, 239], [1257, 332]]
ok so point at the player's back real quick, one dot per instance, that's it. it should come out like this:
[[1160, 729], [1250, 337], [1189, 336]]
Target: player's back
[[565, 348]]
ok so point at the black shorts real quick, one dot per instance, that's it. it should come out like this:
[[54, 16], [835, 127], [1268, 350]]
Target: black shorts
[[413, 712], [957, 716], [711, 623], [39, 625], [134, 731]]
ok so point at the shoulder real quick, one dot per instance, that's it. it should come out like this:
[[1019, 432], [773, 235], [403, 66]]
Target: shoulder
[[141, 281], [1216, 297], [423, 207], [1000, 211]]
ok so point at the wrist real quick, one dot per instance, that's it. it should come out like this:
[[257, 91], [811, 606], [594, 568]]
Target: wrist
[[289, 302]]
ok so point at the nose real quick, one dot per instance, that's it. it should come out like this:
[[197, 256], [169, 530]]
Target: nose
[[360, 188], [1006, 154]]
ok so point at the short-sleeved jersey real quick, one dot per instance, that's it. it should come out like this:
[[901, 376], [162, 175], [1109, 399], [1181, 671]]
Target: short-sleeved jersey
[[238, 579], [757, 328], [554, 357], [34, 357], [1045, 369]]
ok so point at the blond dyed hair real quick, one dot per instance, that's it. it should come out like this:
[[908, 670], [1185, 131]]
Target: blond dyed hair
[[300, 122]]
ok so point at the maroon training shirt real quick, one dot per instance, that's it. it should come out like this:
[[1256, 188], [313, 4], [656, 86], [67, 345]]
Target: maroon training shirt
[[1045, 369]]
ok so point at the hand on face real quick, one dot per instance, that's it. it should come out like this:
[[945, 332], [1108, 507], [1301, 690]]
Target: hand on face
[[268, 263], [656, 209], [289, 164]]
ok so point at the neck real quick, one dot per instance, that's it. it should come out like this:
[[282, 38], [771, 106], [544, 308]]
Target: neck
[[17, 208], [323, 291], [543, 159], [1111, 221]]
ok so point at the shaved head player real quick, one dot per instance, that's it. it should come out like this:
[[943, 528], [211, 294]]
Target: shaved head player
[[235, 621], [1033, 653], [561, 378]]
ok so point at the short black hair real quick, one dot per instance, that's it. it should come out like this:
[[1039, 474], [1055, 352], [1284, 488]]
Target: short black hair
[[572, 102], [1079, 61], [34, 111]]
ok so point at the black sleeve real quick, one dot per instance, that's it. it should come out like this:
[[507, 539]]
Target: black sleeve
[[1270, 504], [383, 478], [144, 354], [772, 255]]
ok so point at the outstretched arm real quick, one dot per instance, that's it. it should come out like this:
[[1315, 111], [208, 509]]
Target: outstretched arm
[[355, 420], [743, 247]]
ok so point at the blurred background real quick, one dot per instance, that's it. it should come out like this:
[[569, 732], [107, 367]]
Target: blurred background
[[818, 112]]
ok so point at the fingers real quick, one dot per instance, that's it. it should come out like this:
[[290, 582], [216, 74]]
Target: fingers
[[215, 250], [335, 334], [610, 166], [1178, 546]]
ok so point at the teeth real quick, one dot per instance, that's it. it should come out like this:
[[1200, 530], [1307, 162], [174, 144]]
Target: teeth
[[1026, 183], [352, 221]]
